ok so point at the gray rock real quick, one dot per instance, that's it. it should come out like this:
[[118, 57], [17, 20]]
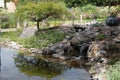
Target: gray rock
[[96, 50], [33, 50], [39, 52], [59, 56]]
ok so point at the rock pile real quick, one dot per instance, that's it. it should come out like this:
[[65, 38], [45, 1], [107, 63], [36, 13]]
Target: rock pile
[[91, 43]]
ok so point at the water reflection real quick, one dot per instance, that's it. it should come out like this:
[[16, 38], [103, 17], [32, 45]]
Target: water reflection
[[0, 59], [16, 66], [34, 66]]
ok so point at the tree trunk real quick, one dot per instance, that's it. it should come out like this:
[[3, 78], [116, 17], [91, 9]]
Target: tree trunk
[[73, 20], [16, 2], [38, 24], [5, 4]]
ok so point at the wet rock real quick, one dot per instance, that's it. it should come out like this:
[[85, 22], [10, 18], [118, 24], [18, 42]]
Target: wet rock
[[67, 49], [74, 40], [83, 49], [39, 51], [65, 40], [78, 28], [46, 51], [77, 58], [117, 39], [99, 77], [33, 50], [13, 45], [59, 56], [22, 49], [103, 61]]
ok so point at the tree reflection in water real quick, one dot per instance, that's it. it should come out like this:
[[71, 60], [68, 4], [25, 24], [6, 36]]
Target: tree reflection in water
[[33, 66]]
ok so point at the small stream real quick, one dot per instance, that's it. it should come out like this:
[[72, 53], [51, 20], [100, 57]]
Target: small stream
[[16, 66]]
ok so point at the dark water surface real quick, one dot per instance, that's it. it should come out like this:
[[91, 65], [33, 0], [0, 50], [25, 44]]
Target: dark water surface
[[16, 66]]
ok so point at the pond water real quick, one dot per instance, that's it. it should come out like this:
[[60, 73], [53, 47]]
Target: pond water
[[16, 66]]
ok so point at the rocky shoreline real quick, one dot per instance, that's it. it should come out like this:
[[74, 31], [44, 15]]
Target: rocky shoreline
[[91, 44]]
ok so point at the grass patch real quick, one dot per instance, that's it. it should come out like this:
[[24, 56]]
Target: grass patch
[[113, 73], [42, 39], [11, 35]]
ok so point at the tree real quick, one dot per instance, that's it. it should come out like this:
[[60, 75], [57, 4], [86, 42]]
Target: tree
[[108, 3], [40, 11], [75, 3], [105, 2]]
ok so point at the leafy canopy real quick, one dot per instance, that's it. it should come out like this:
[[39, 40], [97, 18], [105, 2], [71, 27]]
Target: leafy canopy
[[76, 3], [40, 11]]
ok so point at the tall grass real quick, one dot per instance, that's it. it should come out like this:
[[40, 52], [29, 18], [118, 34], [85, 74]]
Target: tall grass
[[42, 39]]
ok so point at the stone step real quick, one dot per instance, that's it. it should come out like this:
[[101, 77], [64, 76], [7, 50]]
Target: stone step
[[28, 32]]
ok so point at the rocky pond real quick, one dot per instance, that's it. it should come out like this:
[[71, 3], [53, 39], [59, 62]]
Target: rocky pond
[[82, 55], [16, 66]]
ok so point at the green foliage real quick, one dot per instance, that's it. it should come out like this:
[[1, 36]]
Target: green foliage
[[104, 2], [11, 35], [0, 9], [113, 72], [41, 10], [42, 39], [88, 8], [7, 20], [98, 25], [22, 2], [113, 61], [113, 49], [100, 37], [75, 3]]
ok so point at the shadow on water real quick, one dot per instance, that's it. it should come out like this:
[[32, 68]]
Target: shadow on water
[[33, 66], [15, 66]]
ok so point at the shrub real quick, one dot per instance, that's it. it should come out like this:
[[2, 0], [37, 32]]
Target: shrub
[[7, 20]]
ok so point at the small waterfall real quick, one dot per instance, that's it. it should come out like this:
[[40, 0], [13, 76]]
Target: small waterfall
[[83, 49]]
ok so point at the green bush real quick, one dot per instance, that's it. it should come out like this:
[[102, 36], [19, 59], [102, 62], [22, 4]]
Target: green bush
[[7, 20]]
